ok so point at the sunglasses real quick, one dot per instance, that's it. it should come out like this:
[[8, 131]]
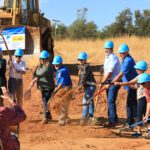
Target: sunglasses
[[142, 83], [80, 60], [18, 56]]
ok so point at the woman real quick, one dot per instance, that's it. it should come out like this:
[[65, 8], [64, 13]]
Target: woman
[[3, 81], [44, 77], [86, 79]]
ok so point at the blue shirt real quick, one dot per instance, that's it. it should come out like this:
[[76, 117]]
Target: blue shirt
[[63, 77], [128, 70], [112, 64]]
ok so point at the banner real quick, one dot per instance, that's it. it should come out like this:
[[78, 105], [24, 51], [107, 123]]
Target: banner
[[15, 38]]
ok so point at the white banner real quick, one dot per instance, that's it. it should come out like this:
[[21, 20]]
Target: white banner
[[15, 38]]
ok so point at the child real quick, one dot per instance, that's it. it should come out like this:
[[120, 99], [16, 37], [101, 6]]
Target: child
[[3, 81], [15, 83], [85, 77], [64, 84], [140, 67], [44, 77], [144, 80]]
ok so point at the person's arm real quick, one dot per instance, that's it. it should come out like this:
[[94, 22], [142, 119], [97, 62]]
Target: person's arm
[[14, 114], [132, 82], [147, 112], [33, 82], [118, 77], [22, 69]]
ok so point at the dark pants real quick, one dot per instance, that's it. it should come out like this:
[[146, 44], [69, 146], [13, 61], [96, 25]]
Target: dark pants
[[112, 93], [46, 95], [141, 109], [15, 87], [131, 106]]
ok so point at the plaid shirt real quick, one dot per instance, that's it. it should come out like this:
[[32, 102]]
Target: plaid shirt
[[8, 117], [85, 75]]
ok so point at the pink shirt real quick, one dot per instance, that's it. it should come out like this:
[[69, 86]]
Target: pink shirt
[[8, 117], [147, 94]]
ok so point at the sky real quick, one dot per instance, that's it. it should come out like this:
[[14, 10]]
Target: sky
[[101, 12]]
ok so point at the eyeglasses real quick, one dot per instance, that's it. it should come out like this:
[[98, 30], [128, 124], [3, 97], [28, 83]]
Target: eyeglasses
[[18, 56], [80, 60]]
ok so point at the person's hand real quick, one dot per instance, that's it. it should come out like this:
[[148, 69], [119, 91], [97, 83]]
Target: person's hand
[[145, 119], [6, 95], [107, 86], [117, 83], [80, 89]]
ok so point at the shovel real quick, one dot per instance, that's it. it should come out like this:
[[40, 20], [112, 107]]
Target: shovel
[[131, 126], [88, 101]]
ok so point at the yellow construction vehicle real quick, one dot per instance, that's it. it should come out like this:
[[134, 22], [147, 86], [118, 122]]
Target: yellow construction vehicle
[[25, 15]]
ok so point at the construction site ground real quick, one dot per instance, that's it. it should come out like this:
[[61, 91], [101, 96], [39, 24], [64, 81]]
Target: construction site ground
[[35, 136]]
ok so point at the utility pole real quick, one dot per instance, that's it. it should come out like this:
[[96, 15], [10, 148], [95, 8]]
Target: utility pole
[[56, 23]]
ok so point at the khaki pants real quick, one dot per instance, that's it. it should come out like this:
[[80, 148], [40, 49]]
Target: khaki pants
[[64, 105]]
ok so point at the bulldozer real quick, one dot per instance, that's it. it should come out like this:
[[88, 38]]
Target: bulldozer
[[25, 18]]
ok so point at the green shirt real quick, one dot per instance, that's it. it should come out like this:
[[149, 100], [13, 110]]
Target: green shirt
[[45, 78]]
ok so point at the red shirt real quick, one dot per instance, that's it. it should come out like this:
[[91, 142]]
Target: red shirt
[[8, 117], [147, 94]]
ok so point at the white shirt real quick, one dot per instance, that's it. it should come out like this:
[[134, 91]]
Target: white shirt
[[21, 66], [112, 64]]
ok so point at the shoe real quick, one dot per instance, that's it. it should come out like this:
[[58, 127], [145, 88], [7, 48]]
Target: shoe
[[109, 125], [62, 124], [126, 127], [44, 121], [83, 121], [136, 134], [147, 136]]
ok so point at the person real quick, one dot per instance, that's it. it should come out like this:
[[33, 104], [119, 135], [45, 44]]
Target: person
[[111, 70], [3, 81], [144, 80], [64, 85], [10, 116], [127, 73], [43, 75], [141, 67], [85, 84], [15, 82]]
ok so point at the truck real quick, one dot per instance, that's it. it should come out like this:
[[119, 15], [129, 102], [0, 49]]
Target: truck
[[24, 26]]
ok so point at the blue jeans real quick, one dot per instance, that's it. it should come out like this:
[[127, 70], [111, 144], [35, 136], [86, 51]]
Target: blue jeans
[[112, 93], [46, 95], [88, 110], [131, 106], [141, 109]]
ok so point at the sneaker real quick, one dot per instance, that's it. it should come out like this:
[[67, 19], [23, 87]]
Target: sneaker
[[147, 136], [136, 134], [83, 121], [44, 121], [109, 125]]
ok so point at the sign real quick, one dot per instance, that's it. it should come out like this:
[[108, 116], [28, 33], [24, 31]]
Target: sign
[[14, 37]]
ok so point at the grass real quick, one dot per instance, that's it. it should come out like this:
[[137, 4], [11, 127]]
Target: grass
[[69, 50]]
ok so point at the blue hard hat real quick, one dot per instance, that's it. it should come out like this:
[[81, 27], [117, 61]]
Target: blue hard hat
[[57, 60], [44, 54], [19, 52], [144, 77], [123, 48], [141, 65], [83, 56], [0, 49], [109, 44]]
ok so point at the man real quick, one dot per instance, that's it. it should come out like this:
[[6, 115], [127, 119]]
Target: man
[[64, 84], [111, 70], [9, 116], [15, 83], [128, 73], [3, 81]]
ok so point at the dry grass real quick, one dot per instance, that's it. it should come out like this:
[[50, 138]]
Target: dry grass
[[69, 50]]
